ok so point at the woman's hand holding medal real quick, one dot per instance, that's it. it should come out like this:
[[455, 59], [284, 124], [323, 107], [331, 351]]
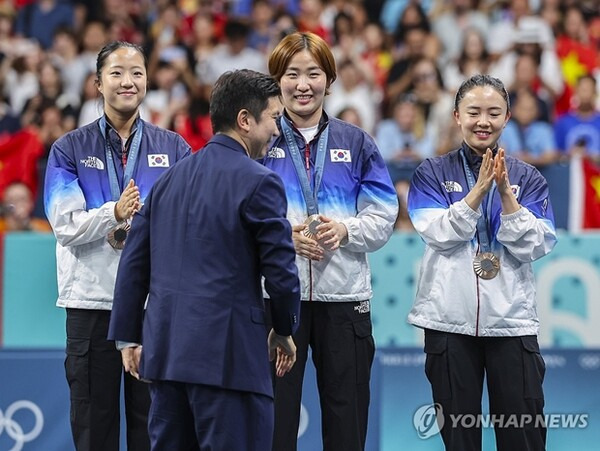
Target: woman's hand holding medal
[[317, 233], [331, 233], [128, 203], [306, 246]]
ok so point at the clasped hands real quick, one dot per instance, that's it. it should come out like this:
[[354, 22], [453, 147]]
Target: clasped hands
[[493, 169], [330, 235]]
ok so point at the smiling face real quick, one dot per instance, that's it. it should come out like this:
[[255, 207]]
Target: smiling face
[[482, 114], [123, 82], [262, 130], [303, 87]]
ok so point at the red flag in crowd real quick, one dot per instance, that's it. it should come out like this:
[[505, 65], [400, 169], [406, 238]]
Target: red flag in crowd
[[584, 194], [19, 154]]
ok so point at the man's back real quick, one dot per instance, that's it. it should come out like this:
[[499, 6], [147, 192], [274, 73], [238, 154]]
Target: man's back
[[216, 223]]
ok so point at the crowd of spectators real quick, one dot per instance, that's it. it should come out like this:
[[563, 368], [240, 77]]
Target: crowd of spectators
[[399, 63]]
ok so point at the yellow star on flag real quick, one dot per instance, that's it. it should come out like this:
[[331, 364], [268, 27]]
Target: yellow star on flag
[[572, 68], [595, 182]]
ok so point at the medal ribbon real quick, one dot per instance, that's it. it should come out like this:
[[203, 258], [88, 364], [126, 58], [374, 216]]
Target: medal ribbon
[[115, 189], [310, 193], [482, 222]]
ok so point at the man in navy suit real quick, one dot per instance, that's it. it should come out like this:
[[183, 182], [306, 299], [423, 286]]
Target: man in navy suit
[[209, 229]]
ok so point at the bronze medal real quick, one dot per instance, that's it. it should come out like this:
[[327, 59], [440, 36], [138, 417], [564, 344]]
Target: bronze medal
[[310, 231], [117, 236], [486, 265]]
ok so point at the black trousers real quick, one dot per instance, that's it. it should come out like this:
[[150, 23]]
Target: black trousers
[[340, 337], [455, 366], [93, 368]]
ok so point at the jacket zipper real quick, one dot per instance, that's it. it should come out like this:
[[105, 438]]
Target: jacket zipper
[[307, 166], [478, 302]]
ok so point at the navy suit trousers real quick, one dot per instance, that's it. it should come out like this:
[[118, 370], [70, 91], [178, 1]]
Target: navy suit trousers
[[192, 417]]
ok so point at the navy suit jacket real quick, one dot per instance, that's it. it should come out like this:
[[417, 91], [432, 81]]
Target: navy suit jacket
[[210, 227]]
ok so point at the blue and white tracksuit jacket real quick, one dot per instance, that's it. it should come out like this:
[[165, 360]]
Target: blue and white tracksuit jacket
[[450, 297], [80, 207], [356, 191]]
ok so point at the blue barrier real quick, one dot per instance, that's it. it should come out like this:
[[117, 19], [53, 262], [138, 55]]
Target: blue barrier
[[34, 406]]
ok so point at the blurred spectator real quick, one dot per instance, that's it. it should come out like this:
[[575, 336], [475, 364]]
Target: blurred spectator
[[261, 34], [243, 8], [578, 55], [203, 44], [19, 72], [17, 211], [351, 89], [41, 18], [283, 25], [9, 122], [8, 42], [333, 8], [166, 36], [404, 140], [165, 91], [376, 54], [94, 37], [413, 16], [450, 26], [393, 10], [434, 101], [64, 54], [350, 115], [193, 121], [123, 21], [51, 124], [578, 132], [525, 136], [512, 28], [309, 19], [547, 79], [526, 77], [346, 43], [51, 93], [551, 12], [91, 107], [234, 53], [414, 46], [473, 59]]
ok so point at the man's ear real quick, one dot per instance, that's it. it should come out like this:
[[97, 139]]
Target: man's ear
[[243, 120]]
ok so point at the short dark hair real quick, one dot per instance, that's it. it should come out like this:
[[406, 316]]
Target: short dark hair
[[481, 80], [110, 48], [238, 90]]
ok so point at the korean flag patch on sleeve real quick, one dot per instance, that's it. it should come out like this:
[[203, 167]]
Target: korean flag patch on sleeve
[[340, 156], [158, 160]]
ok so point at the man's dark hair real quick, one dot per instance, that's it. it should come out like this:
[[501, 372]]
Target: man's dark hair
[[238, 90]]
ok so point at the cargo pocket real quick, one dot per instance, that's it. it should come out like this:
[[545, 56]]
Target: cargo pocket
[[534, 368], [77, 367], [436, 364], [364, 345]]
